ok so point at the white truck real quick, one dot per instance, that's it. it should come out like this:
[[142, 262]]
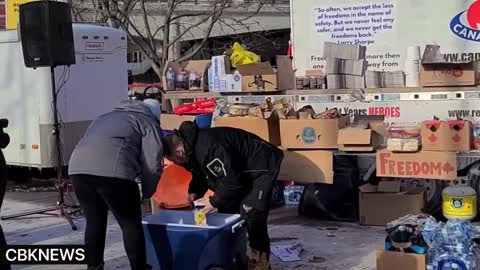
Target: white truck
[[91, 87]]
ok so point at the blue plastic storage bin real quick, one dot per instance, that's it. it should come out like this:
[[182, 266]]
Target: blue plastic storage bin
[[174, 242]]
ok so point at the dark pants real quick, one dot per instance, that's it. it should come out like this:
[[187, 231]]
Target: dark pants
[[3, 185], [96, 196], [255, 208]]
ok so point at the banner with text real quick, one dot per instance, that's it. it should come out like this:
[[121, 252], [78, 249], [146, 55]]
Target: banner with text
[[386, 27], [424, 164]]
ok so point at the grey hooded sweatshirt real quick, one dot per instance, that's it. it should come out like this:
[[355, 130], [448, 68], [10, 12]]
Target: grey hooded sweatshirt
[[125, 143]]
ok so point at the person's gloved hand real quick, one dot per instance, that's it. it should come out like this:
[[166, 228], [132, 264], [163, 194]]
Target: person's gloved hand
[[208, 207]]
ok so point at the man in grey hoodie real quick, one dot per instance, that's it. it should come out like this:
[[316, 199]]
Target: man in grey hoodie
[[117, 148]]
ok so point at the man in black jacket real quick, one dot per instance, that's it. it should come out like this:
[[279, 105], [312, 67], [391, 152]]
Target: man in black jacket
[[240, 167]]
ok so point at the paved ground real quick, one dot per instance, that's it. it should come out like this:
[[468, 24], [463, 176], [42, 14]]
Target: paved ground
[[327, 245]]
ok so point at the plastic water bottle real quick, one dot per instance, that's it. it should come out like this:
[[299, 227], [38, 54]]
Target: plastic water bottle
[[193, 84], [210, 79], [450, 245], [170, 79], [293, 194]]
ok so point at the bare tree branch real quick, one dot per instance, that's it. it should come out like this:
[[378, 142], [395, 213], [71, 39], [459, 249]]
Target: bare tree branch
[[147, 26], [181, 20]]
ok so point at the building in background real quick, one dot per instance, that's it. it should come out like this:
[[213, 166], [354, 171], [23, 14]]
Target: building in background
[[266, 33]]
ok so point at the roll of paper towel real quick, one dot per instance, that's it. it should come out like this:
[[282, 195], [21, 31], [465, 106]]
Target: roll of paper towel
[[412, 67], [413, 53], [412, 80]]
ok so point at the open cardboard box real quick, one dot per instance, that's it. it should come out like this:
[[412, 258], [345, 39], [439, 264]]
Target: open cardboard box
[[267, 129], [363, 135], [386, 202], [198, 66], [311, 133], [258, 77], [456, 135], [261, 77], [448, 74], [391, 260], [436, 71]]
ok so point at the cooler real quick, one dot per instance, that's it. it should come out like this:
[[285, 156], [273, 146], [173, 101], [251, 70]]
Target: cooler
[[174, 242]]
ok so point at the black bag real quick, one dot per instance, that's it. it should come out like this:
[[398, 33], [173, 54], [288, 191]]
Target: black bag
[[337, 201]]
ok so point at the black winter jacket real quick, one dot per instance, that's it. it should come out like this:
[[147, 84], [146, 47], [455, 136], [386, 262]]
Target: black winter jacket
[[222, 159], [4, 139]]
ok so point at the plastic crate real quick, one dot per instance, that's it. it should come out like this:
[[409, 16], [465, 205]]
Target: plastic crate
[[174, 242]]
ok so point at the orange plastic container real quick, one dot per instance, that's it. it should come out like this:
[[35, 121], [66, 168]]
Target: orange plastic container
[[172, 190]]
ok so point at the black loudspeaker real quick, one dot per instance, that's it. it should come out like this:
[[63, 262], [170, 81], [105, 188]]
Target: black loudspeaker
[[46, 33]]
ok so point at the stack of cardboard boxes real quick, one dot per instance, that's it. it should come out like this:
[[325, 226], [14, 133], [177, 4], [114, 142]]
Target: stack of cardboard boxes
[[346, 65], [308, 144], [440, 140]]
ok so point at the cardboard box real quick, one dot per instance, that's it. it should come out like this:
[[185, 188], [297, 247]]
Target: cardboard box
[[173, 121], [217, 83], [234, 83], [311, 133], [424, 164], [198, 66], [382, 204], [285, 73], [258, 77], [221, 65], [314, 72], [308, 166], [261, 77], [363, 135], [447, 74], [267, 129], [219, 73], [456, 135], [391, 260]]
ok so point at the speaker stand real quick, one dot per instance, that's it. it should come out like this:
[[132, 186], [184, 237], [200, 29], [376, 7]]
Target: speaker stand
[[63, 184]]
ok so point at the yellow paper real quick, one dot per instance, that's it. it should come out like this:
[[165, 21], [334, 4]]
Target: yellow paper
[[200, 218], [12, 12]]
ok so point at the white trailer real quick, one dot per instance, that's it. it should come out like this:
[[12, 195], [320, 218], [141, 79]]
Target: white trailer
[[93, 86], [386, 27]]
